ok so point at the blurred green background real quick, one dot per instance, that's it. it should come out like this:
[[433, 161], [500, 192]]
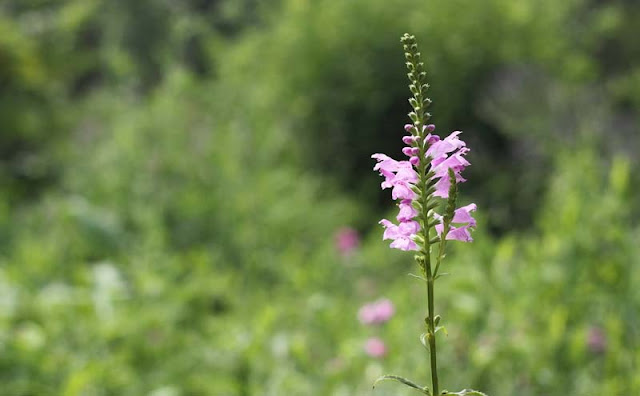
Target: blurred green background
[[176, 178]]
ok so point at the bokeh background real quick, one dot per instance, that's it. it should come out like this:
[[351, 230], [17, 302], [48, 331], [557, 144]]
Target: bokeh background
[[187, 205]]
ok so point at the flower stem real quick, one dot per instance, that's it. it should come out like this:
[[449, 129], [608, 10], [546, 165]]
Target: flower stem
[[431, 328], [429, 275], [419, 116]]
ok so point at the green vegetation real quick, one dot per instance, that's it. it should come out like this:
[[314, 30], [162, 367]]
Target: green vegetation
[[173, 174]]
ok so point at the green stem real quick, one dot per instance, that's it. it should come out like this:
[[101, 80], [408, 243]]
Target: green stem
[[432, 335], [428, 272], [443, 243]]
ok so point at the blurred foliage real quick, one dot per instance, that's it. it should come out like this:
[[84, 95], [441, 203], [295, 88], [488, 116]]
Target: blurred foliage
[[172, 175]]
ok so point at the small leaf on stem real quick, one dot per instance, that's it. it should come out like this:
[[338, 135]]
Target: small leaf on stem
[[422, 389]]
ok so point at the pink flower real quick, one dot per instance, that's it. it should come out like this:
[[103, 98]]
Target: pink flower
[[442, 187], [441, 162], [376, 313], [402, 190], [347, 240], [400, 176], [409, 140], [461, 215], [407, 211], [401, 234], [445, 146], [445, 155], [375, 347], [385, 310], [596, 340]]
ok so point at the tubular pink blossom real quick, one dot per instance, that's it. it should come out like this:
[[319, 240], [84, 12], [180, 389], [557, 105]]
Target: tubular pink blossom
[[401, 177], [461, 215], [442, 188], [402, 191], [407, 211], [409, 140], [404, 243], [441, 162], [400, 234], [445, 146], [431, 139], [460, 234], [385, 163]]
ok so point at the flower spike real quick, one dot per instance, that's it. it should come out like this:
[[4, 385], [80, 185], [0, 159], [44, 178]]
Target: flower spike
[[428, 180]]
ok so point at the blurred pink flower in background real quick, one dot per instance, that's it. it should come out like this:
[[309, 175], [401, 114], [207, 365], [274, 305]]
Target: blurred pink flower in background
[[347, 240], [596, 340], [376, 313], [375, 347]]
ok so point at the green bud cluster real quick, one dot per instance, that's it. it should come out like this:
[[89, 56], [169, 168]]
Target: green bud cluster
[[417, 84]]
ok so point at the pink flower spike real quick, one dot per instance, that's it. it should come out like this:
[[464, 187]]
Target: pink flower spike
[[375, 347]]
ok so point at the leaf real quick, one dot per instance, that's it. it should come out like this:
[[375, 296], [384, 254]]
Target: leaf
[[424, 390], [443, 329], [465, 392], [423, 340], [442, 274], [417, 276]]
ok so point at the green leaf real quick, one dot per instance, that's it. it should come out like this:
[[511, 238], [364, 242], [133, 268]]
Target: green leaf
[[417, 276], [422, 389], [423, 340], [465, 392], [442, 274], [443, 329]]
